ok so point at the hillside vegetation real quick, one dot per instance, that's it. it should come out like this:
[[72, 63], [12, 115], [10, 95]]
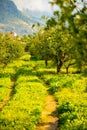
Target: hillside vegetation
[[14, 19]]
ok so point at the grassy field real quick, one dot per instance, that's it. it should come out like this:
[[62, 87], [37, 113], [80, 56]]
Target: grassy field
[[26, 102], [20, 82], [70, 92]]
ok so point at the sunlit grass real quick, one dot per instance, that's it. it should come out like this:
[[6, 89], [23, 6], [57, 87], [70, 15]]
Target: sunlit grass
[[5, 88], [70, 91], [24, 109]]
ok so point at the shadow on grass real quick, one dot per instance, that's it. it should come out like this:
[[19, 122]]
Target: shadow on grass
[[4, 75], [24, 72], [1, 86], [45, 72], [85, 72]]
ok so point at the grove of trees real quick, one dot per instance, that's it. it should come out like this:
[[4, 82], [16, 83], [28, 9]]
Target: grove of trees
[[64, 38], [25, 83]]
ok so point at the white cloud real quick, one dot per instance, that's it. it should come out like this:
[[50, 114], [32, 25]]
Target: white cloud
[[41, 5], [36, 5]]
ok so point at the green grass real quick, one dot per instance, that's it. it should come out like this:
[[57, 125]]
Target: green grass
[[24, 109], [70, 91], [5, 84]]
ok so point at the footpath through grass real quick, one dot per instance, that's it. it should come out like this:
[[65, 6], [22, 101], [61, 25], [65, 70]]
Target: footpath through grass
[[70, 91], [23, 110]]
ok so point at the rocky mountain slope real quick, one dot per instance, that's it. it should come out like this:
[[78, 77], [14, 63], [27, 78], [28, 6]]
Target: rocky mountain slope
[[12, 19]]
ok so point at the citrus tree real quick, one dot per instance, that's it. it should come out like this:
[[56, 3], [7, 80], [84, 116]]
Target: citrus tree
[[10, 49]]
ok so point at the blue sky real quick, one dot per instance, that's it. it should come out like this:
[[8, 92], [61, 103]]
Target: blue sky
[[41, 5]]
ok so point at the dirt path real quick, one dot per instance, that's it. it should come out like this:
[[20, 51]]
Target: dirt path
[[49, 116], [49, 119]]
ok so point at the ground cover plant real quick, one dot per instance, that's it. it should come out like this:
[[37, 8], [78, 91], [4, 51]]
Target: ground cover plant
[[23, 110], [5, 83], [70, 91], [4, 89]]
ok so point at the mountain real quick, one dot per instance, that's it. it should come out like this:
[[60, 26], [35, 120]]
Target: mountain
[[12, 19], [36, 14]]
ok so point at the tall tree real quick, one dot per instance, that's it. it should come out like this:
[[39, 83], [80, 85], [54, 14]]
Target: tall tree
[[74, 18]]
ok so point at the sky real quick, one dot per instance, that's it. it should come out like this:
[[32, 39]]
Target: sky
[[40, 5]]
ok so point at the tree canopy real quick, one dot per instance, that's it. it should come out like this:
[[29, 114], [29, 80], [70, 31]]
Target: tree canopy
[[10, 48]]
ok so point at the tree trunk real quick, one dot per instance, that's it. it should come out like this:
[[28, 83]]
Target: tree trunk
[[67, 69], [59, 65], [46, 62]]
